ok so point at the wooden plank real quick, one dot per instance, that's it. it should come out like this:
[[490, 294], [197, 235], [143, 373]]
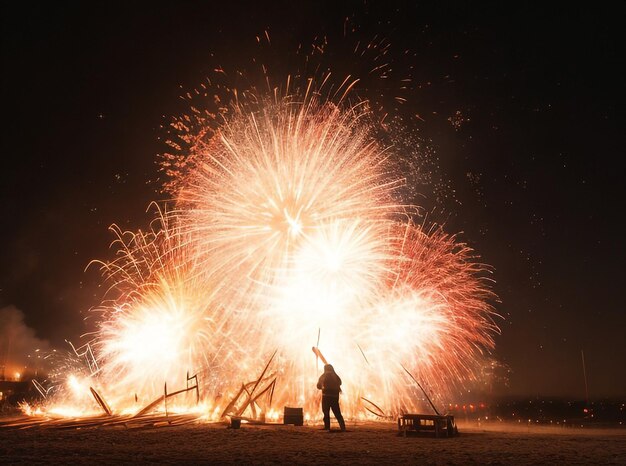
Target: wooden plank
[[103, 404]]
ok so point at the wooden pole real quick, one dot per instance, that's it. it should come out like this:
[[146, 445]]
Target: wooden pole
[[319, 354]]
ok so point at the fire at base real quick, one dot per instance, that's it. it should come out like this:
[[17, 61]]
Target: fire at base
[[287, 231]]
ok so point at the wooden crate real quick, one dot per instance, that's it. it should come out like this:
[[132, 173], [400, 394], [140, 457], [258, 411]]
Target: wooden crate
[[293, 416], [440, 426]]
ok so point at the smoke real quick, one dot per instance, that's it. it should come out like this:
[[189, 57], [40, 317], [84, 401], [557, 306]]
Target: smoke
[[21, 352]]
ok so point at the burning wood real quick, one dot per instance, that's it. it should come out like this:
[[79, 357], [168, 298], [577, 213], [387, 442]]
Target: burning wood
[[103, 404], [130, 422], [251, 399], [165, 396]]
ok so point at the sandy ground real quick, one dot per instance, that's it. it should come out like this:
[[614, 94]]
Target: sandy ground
[[372, 443]]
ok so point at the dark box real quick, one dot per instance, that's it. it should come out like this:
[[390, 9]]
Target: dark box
[[293, 416]]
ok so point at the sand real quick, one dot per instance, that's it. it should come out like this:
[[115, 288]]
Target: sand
[[369, 443]]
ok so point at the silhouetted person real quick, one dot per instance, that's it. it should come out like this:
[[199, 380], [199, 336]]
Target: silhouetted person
[[330, 385]]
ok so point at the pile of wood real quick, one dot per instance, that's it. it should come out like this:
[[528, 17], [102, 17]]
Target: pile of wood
[[144, 418], [125, 421]]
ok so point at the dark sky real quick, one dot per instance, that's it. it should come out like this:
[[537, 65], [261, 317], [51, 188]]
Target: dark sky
[[536, 166]]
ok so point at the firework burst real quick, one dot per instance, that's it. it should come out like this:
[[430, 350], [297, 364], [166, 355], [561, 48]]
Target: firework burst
[[287, 233], [270, 180]]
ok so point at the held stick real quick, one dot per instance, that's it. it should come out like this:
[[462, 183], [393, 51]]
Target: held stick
[[319, 354]]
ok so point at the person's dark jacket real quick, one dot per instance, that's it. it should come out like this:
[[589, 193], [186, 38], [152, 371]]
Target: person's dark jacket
[[329, 382]]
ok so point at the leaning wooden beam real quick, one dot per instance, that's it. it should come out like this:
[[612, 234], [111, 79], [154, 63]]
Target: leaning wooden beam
[[264, 371], [379, 412], [272, 392], [249, 403], [250, 385], [150, 406], [253, 402], [256, 384], [270, 388], [233, 401], [422, 388], [103, 404]]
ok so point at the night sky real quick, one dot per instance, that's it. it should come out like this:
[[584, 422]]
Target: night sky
[[534, 168]]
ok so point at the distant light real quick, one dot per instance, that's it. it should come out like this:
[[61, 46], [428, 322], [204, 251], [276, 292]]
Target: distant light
[[18, 376]]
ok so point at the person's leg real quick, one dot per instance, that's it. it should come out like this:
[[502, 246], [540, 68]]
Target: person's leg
[[337, 413], [326, 410]]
